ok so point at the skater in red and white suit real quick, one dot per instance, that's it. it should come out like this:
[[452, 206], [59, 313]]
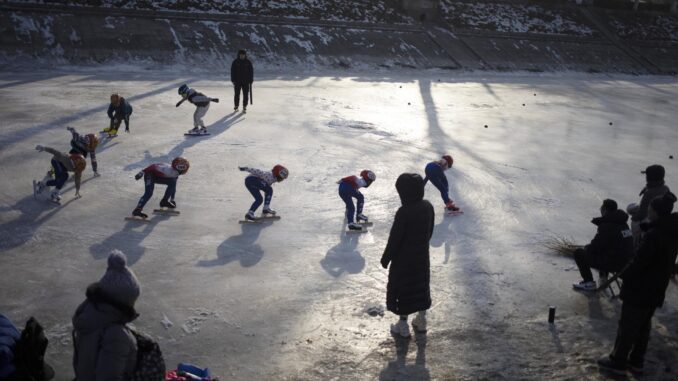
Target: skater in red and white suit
[[161, 173]]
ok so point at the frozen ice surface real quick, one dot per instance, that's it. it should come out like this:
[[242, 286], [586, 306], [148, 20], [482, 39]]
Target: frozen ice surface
[[291, 299]]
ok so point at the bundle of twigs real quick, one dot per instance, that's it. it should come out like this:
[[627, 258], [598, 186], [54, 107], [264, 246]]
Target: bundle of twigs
[[562, 245]]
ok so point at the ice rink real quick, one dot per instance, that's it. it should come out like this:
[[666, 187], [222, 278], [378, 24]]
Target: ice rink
[[535, 155]]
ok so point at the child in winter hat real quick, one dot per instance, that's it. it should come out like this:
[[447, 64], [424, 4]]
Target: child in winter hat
[[119, 282]]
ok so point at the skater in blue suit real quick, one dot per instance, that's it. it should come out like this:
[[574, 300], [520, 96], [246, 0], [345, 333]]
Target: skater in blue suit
[[435, 173], [348, 190], [259, 181]]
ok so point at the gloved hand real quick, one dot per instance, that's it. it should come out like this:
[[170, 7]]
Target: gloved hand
[[71, 129], [139, 175], [178, 104], [39, 148], [215, 100], [384, 263], [242, 168]]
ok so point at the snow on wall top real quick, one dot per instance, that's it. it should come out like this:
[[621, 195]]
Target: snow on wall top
[[515, 18], [372, 11]]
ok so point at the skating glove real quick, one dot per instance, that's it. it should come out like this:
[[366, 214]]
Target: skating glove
[[139, 175], [215, 100], [242, 168], [71, 129], [384, 263], [39, 148]]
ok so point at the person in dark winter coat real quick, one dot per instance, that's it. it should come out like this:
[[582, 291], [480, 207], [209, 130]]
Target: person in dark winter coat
[[654, 176], [610, 249], [242, 76], [645, 281], [407, 252], [105, 348]]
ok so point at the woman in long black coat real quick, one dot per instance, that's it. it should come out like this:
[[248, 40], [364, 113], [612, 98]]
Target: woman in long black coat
[[407, 252]]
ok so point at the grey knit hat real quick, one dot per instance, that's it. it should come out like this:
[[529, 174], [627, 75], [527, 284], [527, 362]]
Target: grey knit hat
[[119, 282]]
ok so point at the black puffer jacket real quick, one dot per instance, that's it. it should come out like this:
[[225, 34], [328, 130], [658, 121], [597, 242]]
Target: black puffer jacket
[[613, 243], [407, 250], [648, 275], [242, 72]]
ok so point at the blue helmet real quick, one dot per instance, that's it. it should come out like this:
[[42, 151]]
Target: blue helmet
[[183, 89]]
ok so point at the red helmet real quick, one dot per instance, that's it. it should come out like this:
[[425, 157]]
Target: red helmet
[[92, 142], [180, 164], [280, 172], [79, 162], [449, 160], [368, 175]]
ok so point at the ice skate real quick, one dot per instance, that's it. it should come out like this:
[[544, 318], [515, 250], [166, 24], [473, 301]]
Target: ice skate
[[419, 322], [585, 286], [250, 216], [269, 211], [235, 108], [355, 227], [451, 207], [203, 130], [55, 196], [244, 110], [167, 204], [194, 131], [40, 186], [138, 213], [401, 328], [361, 218]]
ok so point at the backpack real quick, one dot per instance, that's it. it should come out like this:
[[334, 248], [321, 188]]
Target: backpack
[[29, 354], [150, 363]]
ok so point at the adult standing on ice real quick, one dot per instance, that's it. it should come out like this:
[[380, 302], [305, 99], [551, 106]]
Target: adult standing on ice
[[654, 187], [160, 173], [407, 251], [242, 76], [119, 110], [104, 346], [62, 163], [260, 181], [84, 145], [435, 172], [645, 281], [349, 188], [202, 104]]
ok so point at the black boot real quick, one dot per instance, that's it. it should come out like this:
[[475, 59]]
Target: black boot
[[138, 213]]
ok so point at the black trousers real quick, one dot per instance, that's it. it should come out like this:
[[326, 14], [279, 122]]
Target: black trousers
[[245, 87], [633, 335], [585, 261]]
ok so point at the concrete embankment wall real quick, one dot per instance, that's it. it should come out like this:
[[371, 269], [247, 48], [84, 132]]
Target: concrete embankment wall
[[43, 35]]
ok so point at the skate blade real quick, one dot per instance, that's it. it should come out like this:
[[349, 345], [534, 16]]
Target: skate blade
[[187, 134], [356, 231], [452, 214], [166, 211], [135, 218], [366, 223], [257, 221], [269, 217]]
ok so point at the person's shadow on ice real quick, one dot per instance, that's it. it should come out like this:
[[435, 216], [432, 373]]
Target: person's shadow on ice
[[344, 257], [241, 247]]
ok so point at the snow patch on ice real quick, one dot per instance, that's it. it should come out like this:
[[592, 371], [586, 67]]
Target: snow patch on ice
[[194, 323]]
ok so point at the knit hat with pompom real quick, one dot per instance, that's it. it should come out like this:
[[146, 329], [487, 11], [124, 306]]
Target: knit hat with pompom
[[119, 282]]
